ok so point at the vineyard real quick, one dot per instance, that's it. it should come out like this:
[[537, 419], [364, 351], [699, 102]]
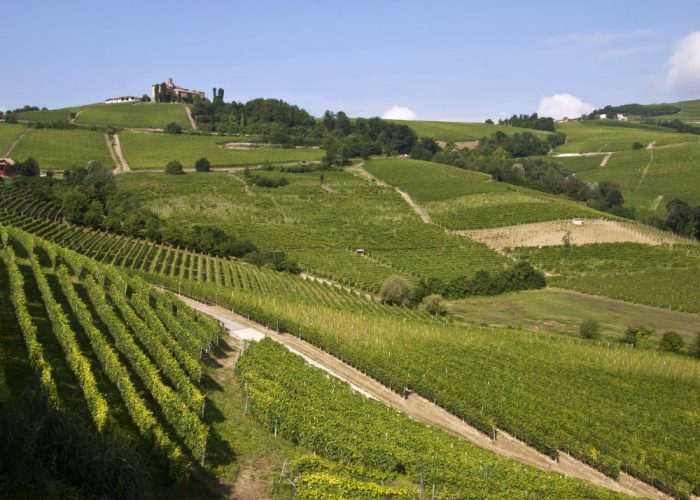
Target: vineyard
[[461, 199], [662, 276], [375, 442], [62, 148], [8, 134], [138, 115], [463, 131], [48, 115], [153, 151], [131, 353], [517, 381], [320, 229]]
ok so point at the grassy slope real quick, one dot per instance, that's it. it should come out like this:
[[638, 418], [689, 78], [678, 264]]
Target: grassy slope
[[461, 131], [136, 115], [48, 115], [690, 111], [611, 135], [561, 311], [153, 151], [61, 149], [8, 133], [672, 172], [461, 199], [317, 227]]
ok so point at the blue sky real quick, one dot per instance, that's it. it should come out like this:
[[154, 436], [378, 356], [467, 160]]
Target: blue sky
[[449, 60]]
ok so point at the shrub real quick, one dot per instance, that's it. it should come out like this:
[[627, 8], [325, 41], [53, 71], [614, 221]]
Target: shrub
[[174, 167], [672, 342], [695, 348], [434, 305], [589, 329], [396, 290], [637, 145], [173, 128], [638, 336], [202, 165]]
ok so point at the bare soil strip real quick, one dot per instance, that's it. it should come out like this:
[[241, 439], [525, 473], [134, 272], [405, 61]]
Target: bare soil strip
[[72, 120], [649, 147], [193, 123], [605, 159], [553, 233], [14, 143], [421, 409], [115, 150]]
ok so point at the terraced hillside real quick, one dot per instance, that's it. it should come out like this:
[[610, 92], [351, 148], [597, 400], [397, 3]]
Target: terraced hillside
[[153, 151], [460, 199]]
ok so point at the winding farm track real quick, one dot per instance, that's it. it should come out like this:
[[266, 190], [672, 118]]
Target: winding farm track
[[16, 140], [115, 150], [193, 123], [420, 408]]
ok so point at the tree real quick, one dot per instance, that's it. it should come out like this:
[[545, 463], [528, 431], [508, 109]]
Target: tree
[[589, 329], [638, 336], [174, 167], [202, 165], [695, 348], [28, 168], [672, 342], [396, 290], [434, 305], [173, 128], [637, 145], [145, 98]]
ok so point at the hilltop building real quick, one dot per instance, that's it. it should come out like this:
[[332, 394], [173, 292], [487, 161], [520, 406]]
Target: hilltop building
[[126, 98], [169, 88]]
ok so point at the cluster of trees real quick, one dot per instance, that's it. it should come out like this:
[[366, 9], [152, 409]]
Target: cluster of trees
[[345, 139], [396, 290], [262, 181], [637, 110], [26, 168], [640, 337], [522, 144], [677, 125], [681, 218], [530, 121], [88, 197]]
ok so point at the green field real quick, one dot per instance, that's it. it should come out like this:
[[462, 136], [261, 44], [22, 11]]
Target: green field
[[8, 134], [462, 131], [153, 151], [318, 225], [612, 135], [651, 178], [663, 276], [48, 115], [461, 199], [690, 111], [561, 311], [62, 148], [134, 115]]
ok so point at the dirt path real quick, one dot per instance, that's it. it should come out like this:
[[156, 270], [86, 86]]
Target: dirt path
[[14, 143], [605, 159], [421, 409], [360, 171], [115, 150], [336, 284], [193, 123], [657, 202], [77, 114], [650, 148]]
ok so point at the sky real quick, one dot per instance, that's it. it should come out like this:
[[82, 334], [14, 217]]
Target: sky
[[432, 60]]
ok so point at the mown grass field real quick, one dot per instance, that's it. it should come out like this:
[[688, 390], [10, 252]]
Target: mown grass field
[[662, 276], [62, 149], [561, 311], [153, 151], [318, 225], [48, 115], [8, 133], [612, 135], [461, 199], [651, 178], [461, 131], [134, 115]]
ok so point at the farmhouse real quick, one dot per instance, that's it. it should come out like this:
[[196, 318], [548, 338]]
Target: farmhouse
[[4, 170], [621, 117], [126, 98], [170, 87]]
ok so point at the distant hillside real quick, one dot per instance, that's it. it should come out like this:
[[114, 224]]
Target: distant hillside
[[682, 110], [462, 131]]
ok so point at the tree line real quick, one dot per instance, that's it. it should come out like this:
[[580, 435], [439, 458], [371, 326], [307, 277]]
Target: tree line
[[532, 121]]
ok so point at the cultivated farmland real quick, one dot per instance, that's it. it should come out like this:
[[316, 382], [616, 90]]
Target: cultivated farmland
[[134, 115], [48, 115], [63, 148], [8, 134], [462, 131], [153, 151]]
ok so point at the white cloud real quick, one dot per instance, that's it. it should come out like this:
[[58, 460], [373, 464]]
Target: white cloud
[[559, 106], [684, 65], [399, 113]]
